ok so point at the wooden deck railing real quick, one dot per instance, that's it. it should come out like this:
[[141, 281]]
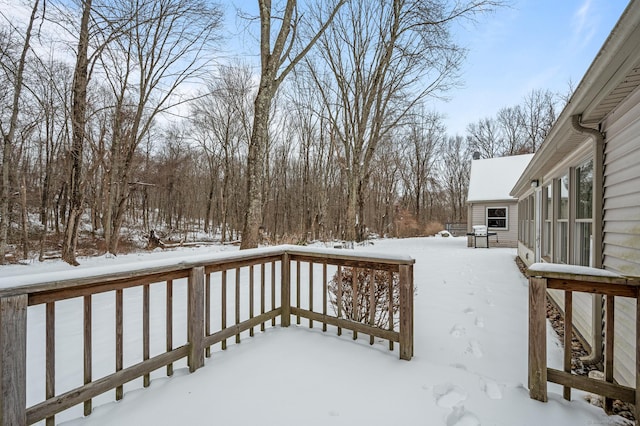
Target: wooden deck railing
[[215, 298], [572, 279]]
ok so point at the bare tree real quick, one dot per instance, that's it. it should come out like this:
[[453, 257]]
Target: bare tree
[[78, 120], [538, 116], [277, 59], [15, 80], [485, 137], [220, 120], [512, 129], [455, 169], [421, 146], [384, 57], [144, 68]]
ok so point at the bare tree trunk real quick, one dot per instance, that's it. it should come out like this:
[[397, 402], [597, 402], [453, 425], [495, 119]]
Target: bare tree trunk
[[8, 137], [277, 61], [25, 222], [255, 167], [80, 81]]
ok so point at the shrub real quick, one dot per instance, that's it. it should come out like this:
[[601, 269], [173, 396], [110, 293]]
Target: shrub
[[365, 279]]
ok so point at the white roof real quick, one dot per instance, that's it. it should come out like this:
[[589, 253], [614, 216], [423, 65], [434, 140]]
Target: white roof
[[493, 178]]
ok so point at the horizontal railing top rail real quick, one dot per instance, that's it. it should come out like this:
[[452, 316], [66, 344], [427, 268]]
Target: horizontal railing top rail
[[570, 279], [156, 269]]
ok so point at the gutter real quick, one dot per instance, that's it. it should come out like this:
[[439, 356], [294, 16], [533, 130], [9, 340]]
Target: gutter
[[598, 234]]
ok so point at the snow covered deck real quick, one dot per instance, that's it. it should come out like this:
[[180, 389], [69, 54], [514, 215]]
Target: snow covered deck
[[469, 365]]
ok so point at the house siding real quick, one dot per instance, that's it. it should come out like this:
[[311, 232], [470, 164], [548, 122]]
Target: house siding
[[622, 191], [622, 223], [507, 238]]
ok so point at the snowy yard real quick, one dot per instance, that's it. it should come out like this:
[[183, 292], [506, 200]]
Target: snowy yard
[[469, 368]]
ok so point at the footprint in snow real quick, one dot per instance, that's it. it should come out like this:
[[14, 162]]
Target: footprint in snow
[[448, 395], [474, 348], [479, 322], [469, 311], [457, 331], [459, 366], [490, 302], [461, 417], [492, 389]]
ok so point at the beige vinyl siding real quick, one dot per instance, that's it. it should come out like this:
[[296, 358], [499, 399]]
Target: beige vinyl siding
[[624, 344], [622, 192], [582, 312], [508, 238], [622, 224]]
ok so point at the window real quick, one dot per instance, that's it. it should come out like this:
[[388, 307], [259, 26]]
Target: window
[[547, 209], [561, 248], [497, 217], [532, 222], [522, 205], [584, 216]]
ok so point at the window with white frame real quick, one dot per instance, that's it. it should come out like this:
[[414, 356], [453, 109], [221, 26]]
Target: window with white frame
[[547, 226], [561, 247], [584, 218], [497, 218]]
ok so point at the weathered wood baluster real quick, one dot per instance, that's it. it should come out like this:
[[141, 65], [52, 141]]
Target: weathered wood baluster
[[262, 292], [88, 349], [169, 323], [608, 347], [207, 312], [237, 300], [324, 294], [146, 381], [273, 291], [310, 292], [568, 327], [372, 301], [251, 283], [119, 340], [298, 291], [50, 356], [339, 298], [223, 306], [390, 307], [354, 299]]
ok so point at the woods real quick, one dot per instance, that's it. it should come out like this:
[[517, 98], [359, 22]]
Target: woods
[[131, 122]]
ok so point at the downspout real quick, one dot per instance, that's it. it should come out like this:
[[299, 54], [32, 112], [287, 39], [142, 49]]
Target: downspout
[[598, 235]]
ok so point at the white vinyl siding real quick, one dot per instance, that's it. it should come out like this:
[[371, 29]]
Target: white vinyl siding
[[622, 194], [622, 225]]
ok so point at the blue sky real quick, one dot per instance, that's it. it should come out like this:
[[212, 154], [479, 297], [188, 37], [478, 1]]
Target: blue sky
[[534, 44]]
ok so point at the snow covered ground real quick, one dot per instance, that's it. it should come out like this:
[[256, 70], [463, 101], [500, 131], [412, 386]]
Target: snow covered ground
[[469, 368]]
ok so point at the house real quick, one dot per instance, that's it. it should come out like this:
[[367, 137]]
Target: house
[[579, 197], [488, 199]]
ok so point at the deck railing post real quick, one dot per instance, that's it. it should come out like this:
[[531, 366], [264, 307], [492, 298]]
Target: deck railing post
[[195, 318], [13, 364], [285, 291], [538, 338], [406, 311]]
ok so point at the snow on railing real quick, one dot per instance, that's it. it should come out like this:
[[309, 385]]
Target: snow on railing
[[180, 310]]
